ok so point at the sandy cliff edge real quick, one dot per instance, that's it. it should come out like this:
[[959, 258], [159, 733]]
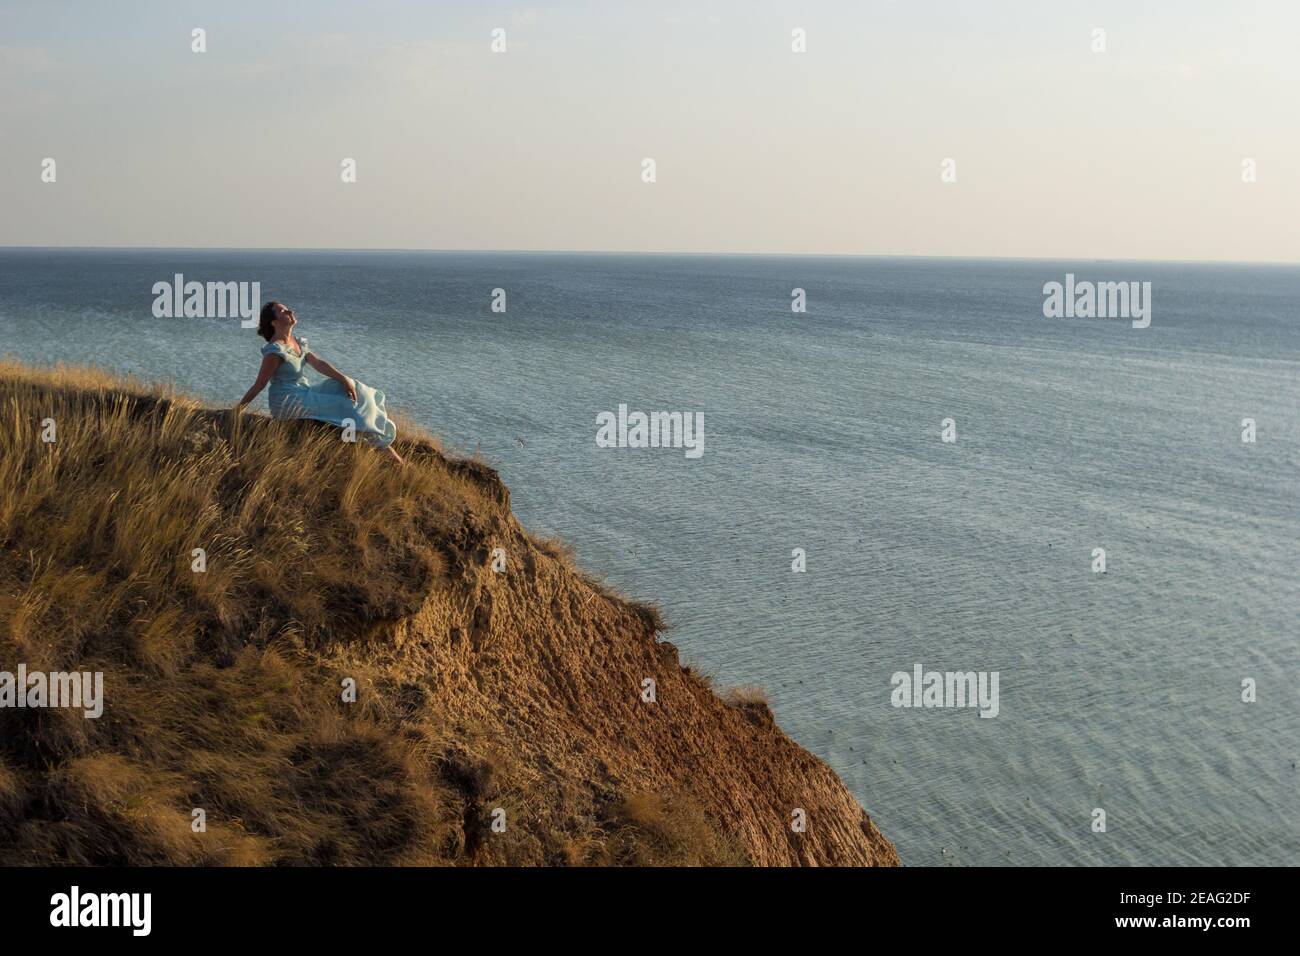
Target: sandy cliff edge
[[499, 717]]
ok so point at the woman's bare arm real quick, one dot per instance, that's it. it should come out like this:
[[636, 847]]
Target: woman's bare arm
[[269, 364], [329, 371]]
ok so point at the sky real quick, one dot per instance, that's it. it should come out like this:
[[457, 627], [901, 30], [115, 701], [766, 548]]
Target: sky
[[1136, 152]]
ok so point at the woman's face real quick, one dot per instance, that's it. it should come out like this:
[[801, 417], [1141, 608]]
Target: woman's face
[[284, 319]]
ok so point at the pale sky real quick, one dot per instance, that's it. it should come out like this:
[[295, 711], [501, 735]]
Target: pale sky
[[1136, 152]]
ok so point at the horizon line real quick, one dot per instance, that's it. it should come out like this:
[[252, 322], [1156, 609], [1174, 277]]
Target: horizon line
[[637, 252]]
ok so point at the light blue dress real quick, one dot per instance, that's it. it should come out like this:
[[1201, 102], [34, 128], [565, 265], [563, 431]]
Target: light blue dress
[[292, 396]]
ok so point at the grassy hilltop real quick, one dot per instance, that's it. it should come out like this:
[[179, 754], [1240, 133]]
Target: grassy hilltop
[[476, 692]]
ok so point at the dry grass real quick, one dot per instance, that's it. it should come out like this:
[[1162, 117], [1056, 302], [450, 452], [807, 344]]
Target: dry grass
[[109, 515], [747, 696], [218, 701], [650, 829]]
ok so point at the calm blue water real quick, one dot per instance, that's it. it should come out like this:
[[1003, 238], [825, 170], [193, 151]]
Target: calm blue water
[[822, 432]]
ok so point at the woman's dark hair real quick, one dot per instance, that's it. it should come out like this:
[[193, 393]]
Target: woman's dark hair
[[264, 327]]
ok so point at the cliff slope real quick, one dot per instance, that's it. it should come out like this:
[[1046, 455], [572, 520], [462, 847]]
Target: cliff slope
[[500, 717]]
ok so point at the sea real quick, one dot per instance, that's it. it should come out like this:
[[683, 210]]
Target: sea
[[905, 464]]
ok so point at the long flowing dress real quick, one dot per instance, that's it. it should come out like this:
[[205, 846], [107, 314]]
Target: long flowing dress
[[292, 396]]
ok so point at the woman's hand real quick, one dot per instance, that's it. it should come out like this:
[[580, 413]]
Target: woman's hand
[[325, 368]]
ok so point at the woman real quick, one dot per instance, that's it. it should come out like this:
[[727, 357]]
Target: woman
[[336, 400]]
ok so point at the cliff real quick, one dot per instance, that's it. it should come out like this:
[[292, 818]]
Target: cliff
[[233, 578]]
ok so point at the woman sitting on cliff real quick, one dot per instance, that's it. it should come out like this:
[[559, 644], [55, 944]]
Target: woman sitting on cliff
[[337, 400]]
